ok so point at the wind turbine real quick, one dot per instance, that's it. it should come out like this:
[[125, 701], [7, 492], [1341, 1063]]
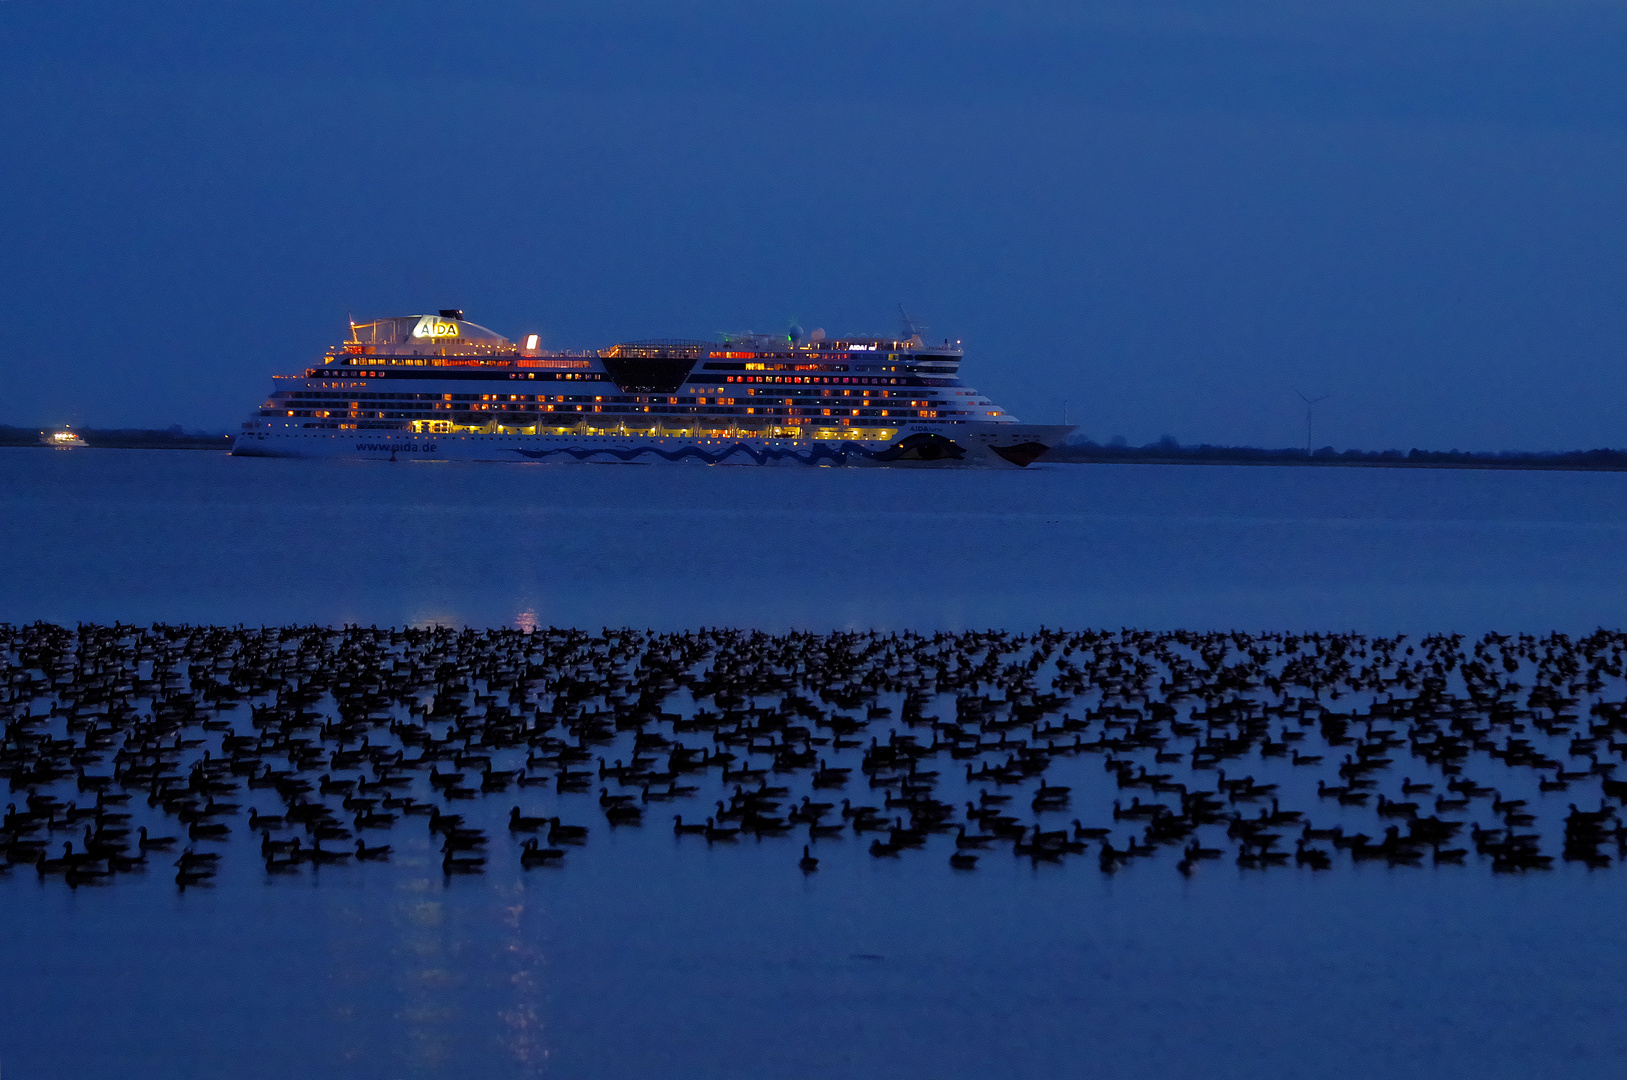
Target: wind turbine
[[1310, 403]]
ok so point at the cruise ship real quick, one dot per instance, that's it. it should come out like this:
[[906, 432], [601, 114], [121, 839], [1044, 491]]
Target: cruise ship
[[438, 387]]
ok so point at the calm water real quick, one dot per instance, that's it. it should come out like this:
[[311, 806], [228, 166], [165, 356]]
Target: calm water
[[642, 958], [104, 535]]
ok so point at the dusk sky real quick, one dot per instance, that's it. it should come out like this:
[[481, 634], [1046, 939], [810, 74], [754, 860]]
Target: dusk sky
[[1169, 214]]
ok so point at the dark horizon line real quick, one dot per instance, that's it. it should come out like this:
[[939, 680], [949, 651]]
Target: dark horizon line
[[1164, 452], [1169, 452]]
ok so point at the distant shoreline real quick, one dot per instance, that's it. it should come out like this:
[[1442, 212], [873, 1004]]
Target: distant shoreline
[[1080, 454], [1163, 454]]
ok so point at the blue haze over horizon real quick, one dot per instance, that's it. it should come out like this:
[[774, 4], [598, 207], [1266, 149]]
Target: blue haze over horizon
[[1169, 214]]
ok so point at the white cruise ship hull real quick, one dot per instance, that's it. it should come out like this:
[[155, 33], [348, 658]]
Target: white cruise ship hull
[[1007, 445]]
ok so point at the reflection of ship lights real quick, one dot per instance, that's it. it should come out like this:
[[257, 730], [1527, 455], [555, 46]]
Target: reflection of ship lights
[[526, 622]]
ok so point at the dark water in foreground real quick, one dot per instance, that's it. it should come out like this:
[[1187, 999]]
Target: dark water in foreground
[[646, 956], [644, 962]]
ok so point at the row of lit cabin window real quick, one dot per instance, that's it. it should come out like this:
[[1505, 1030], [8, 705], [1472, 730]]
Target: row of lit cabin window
[[355, 399], [755, 410], [843, 380]]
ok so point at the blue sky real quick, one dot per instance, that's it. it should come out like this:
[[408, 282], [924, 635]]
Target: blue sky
[[1168, 214]]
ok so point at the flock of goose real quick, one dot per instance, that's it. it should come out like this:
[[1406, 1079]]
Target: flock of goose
[[131, 750]]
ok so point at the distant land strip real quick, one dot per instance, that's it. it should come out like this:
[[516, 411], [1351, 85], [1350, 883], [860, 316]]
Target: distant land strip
[[1171, 453], [1166, 452]]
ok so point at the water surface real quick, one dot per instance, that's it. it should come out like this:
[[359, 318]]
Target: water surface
[[646, 958], [202, 537]]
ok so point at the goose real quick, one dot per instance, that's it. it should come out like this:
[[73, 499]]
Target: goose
[[372, 821], [680, 829], [106, 817], [125, 864], [964, 842], [464, 864], [99, 845], [154, 843], [963, 860], [1315, 858], [55, 866], [815, 810], [284, 865], [463, 840], [85, 874], [623, 815], [519, 823], [532, 855], [185, 877], [268, 845], [376, 853], [440, 823], [851, 811], [191, 860], [335, 787], [1040, 804], [319, 856], [567, 834], [259, 822], [214, 831], [719, 832], [808, 864]]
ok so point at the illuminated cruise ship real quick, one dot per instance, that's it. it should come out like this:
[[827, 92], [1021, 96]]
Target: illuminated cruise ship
[[437, 387]]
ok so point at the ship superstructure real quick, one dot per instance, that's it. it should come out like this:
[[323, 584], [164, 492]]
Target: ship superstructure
[[439, 387]]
